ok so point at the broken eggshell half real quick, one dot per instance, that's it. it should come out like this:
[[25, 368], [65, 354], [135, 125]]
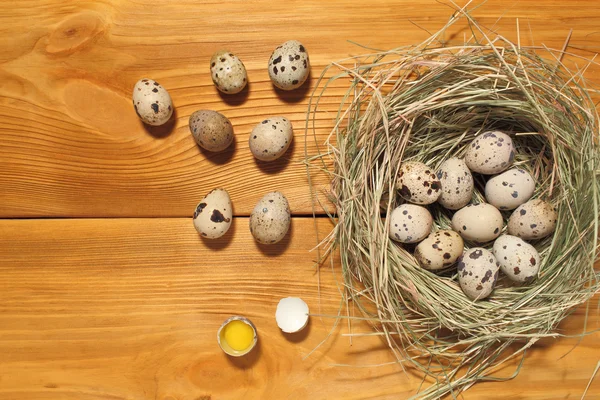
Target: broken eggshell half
[[291, 314]]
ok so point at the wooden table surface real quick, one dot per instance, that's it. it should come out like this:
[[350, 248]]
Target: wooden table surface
[[106, 290]]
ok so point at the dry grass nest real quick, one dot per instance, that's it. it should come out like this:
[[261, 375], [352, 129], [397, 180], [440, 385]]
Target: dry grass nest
[[426, 103]]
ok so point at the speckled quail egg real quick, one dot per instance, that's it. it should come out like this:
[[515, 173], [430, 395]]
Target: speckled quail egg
[[533, 220], [519, 260], [213, 214], [439, 250], [490, 153], [152, 102], [410, 223], [417, 183], [477, 273], [270, 219], [228, 72], [271, 138], [457, 184], [478, 223], [289, 65], [510, 189], [211, 130]]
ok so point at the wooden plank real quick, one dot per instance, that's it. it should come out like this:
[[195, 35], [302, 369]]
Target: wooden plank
[[71, 145], [129, 308]]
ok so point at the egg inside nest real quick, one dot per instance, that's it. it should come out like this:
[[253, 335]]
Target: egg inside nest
[[485, 191]]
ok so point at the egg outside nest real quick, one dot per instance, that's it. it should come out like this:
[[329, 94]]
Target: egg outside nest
[[270, 219], [228, 72], [237, 336], [289, 66], [214, 214], [211, 130], [152, 102], [271, 138]]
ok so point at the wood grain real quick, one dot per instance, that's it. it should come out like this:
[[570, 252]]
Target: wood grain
[[71, 145], [109, 309]]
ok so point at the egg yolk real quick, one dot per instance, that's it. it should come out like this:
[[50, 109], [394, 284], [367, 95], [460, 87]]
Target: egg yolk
[[238, 335]]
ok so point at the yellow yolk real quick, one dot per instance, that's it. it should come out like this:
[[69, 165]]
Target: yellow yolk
[[238, 335]]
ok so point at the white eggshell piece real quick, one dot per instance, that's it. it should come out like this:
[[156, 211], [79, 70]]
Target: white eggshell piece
[[477, 273], [533, 220], [211, 130], [457, 183], [519, 260], [289, 65], [417, 183], [439, 250], [291, 314], [510, 189], [271, 138], [213, 214], [270, 219], [228, 72], [152, 102], [478, 223], [410, 223], [490, 153]]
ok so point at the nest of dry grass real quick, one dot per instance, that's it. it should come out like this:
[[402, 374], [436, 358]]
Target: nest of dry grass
[[426, 103]]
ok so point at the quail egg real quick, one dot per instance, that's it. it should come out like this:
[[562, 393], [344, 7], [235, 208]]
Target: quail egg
[[228, 72], [271, 138], [510, 189], [439, 250], [477, 272], [213, 214], [270, 219], [478, 223], [410, 223], [457, 184], [211, 130], [490, 153], [417, 183], [533, 220], [519, 260], [289, 65], [152, 102]]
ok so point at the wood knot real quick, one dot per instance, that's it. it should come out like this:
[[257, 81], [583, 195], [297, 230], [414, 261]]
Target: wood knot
[[75, 33], [71, 32]]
